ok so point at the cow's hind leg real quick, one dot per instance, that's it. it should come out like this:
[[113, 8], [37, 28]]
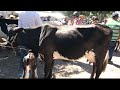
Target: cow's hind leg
[[98, 71], [99, 67], [100, 60], [93, 71]]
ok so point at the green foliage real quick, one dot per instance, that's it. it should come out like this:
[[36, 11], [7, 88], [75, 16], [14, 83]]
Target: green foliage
[[68, 13]]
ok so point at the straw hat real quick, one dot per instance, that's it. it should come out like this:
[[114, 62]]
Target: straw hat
[[12, 16]]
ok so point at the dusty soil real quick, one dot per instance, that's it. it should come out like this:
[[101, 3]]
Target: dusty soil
[[76, 69]]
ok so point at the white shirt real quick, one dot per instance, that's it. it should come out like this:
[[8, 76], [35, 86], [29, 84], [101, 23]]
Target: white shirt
[[29, 19]]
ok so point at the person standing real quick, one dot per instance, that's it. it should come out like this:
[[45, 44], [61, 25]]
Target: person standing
[[95, 20], [80, 20], [75, 17], [27, 19], [115, 26]]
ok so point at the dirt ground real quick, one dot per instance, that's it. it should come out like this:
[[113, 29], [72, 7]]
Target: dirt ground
[[77, 69]]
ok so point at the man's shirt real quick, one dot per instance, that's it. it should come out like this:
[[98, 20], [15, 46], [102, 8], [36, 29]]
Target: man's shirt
[[29, 19], [115, 26]]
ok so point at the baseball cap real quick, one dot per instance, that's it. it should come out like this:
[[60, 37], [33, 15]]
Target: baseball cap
[[115, 15], [76, 14]]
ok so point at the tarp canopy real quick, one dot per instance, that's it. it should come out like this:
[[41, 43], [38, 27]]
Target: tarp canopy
[[56, 15]]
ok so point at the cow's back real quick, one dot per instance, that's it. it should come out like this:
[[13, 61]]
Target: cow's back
[[74, 42]]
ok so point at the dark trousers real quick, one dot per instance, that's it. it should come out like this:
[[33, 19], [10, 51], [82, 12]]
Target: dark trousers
[[111, 49]]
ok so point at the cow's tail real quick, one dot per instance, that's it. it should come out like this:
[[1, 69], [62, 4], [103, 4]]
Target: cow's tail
[[105, 61]]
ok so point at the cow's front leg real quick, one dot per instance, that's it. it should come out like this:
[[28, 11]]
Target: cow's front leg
[[48, 66]]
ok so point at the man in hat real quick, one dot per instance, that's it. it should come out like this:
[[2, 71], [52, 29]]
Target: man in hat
[[115, 26], [75, 18]]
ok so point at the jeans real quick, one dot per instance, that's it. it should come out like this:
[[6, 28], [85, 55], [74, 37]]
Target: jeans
[[111, 49], [22, 54]]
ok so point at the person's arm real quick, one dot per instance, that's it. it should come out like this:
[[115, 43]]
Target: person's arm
[[119, 37], [20, 22]]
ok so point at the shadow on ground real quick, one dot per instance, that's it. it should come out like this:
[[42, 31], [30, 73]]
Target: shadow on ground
[[75, 67], [117, 54]]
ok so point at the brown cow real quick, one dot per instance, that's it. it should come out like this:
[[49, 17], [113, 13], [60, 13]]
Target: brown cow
[[74, 42]]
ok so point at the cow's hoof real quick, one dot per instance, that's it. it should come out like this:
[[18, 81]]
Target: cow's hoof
[[53, 77]]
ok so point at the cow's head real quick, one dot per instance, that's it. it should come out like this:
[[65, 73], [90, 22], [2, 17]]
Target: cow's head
[[29, 66], [15, 36], [28, 37]]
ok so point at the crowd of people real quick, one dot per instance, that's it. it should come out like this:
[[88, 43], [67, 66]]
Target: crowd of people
[[77, 19]]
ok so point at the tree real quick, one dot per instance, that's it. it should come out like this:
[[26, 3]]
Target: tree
[[68, 13]]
